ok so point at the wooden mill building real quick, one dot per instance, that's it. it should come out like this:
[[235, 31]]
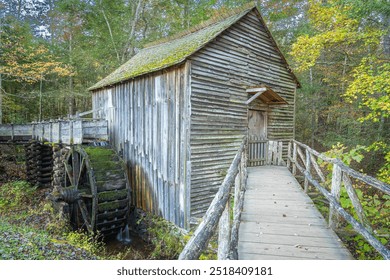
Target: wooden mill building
[[178, 110]]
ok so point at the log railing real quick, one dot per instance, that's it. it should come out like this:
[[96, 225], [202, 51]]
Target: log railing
[[304, 158], [218, 213]]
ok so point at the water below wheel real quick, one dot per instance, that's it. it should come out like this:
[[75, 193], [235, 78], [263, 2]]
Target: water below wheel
[[96, 188]]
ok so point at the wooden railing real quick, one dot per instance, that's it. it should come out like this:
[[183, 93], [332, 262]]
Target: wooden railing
[[304, 158], [265, 152], [219, 213]]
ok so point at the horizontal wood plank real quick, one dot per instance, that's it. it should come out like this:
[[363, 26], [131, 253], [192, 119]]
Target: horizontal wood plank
[[279, 221]]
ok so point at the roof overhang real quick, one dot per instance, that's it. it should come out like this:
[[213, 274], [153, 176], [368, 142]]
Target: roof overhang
[[266, 95]]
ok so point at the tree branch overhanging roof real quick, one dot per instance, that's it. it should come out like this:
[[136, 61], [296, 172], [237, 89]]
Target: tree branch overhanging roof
[[175, 51]]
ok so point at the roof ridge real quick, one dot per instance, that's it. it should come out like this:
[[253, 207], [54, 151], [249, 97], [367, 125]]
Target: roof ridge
[[215, 19]]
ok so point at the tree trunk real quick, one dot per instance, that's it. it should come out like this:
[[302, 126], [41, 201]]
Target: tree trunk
[[1, 98], [40, 99], [313, 110], [128, 51], [110, 31], [71, 100]]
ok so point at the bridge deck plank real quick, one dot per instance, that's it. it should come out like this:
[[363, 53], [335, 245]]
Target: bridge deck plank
[[279, 221]]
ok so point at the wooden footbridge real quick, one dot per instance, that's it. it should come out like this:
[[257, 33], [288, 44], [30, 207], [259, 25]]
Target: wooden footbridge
[[277, 220]]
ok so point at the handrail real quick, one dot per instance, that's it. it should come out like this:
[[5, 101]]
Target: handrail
[[218, 212], [341, 173]]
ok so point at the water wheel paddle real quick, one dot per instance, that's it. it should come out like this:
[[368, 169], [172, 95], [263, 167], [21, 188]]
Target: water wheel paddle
[[96, 188]]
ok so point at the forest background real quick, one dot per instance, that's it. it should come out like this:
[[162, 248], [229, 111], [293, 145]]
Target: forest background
[[51, 51]]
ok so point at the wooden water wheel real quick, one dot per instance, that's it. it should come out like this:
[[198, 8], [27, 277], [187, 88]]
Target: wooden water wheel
[[96, 188]]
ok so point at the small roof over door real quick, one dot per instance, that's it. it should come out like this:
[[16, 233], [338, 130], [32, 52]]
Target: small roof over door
[[265, 94]]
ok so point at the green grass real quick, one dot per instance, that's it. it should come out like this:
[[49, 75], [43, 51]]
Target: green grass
[[16, 195]]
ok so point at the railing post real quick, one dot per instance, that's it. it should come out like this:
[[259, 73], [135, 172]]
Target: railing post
[[280, 153], [294, 167], [308, 167], [335, 192], [239, 190], [288, 155], [224, 232], [12, 132]]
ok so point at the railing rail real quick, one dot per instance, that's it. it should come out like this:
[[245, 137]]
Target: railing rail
[[219, 213], [341, 175]]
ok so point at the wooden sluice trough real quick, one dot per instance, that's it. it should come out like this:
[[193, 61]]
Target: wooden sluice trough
[[66, 132]]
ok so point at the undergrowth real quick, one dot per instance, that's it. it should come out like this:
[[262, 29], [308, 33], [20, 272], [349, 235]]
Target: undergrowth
[[31, 229], [375, 204], [167, 240]]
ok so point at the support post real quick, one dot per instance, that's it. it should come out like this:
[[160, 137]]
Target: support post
[[294, 166], [224, 232], [308, 167], [280, 153], [335, 192], [288, 155]]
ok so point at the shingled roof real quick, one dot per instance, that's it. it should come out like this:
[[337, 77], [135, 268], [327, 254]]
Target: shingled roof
[[175, 51]]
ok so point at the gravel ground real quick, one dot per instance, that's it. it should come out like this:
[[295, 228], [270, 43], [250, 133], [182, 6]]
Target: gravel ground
[[24, 243]]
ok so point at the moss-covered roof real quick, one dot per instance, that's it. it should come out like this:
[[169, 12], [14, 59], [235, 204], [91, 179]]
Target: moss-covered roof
[[176, 49], [169, 53]]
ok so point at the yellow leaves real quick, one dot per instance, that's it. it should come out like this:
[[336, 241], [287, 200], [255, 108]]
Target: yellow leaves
[[306, 51], [371, 85], [330, 16], [334, 31], [32, 64]]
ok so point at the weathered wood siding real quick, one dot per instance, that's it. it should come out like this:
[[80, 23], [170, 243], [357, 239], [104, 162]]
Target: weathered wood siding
[[241, 56], [148, 123]]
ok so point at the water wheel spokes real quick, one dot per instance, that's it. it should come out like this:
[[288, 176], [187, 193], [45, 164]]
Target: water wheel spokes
[[79, 179], [85, 214], [96, 187]]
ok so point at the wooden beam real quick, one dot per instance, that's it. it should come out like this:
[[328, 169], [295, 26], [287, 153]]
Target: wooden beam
[[259, 92], [253, 90]]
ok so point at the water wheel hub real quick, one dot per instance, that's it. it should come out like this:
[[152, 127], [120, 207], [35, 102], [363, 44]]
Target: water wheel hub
[[95, 185]]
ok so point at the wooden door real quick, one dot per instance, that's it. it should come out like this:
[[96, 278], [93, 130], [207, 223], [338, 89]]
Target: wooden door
[[257, 137]]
